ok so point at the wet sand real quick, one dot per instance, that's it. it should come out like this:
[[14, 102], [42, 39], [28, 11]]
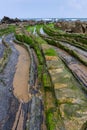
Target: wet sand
[[21, 78]]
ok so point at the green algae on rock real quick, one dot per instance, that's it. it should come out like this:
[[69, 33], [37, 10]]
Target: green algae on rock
[[72, 102]]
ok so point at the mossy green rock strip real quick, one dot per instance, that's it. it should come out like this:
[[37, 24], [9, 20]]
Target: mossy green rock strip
[[72, 102]]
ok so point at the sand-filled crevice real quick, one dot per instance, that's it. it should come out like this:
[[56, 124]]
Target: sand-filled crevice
[[21, 78]]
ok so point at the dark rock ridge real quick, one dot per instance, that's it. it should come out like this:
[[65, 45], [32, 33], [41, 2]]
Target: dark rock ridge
[[8, 103], [8, 20]]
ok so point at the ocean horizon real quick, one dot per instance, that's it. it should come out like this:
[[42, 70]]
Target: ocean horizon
[[54, 19]]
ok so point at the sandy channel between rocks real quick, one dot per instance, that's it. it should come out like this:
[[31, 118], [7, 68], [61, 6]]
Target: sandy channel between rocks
[[21, 77]]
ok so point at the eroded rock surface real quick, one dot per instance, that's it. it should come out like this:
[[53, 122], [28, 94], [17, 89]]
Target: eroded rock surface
[[13, 109], [8, 103], [72, 26], [71, 99], [2, 48]]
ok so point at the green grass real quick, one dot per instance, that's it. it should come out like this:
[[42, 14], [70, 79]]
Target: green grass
[[40, 71], [51, 123], [75, 39], [50, 52], [51, 25], [30, 29], [4, 59], [40, 40], [71, 52], [39, 26], [30, 40], [10, 29], [46, 82]]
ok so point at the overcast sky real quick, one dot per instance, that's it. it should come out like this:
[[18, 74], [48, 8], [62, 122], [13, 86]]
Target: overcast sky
[[43, 8]]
